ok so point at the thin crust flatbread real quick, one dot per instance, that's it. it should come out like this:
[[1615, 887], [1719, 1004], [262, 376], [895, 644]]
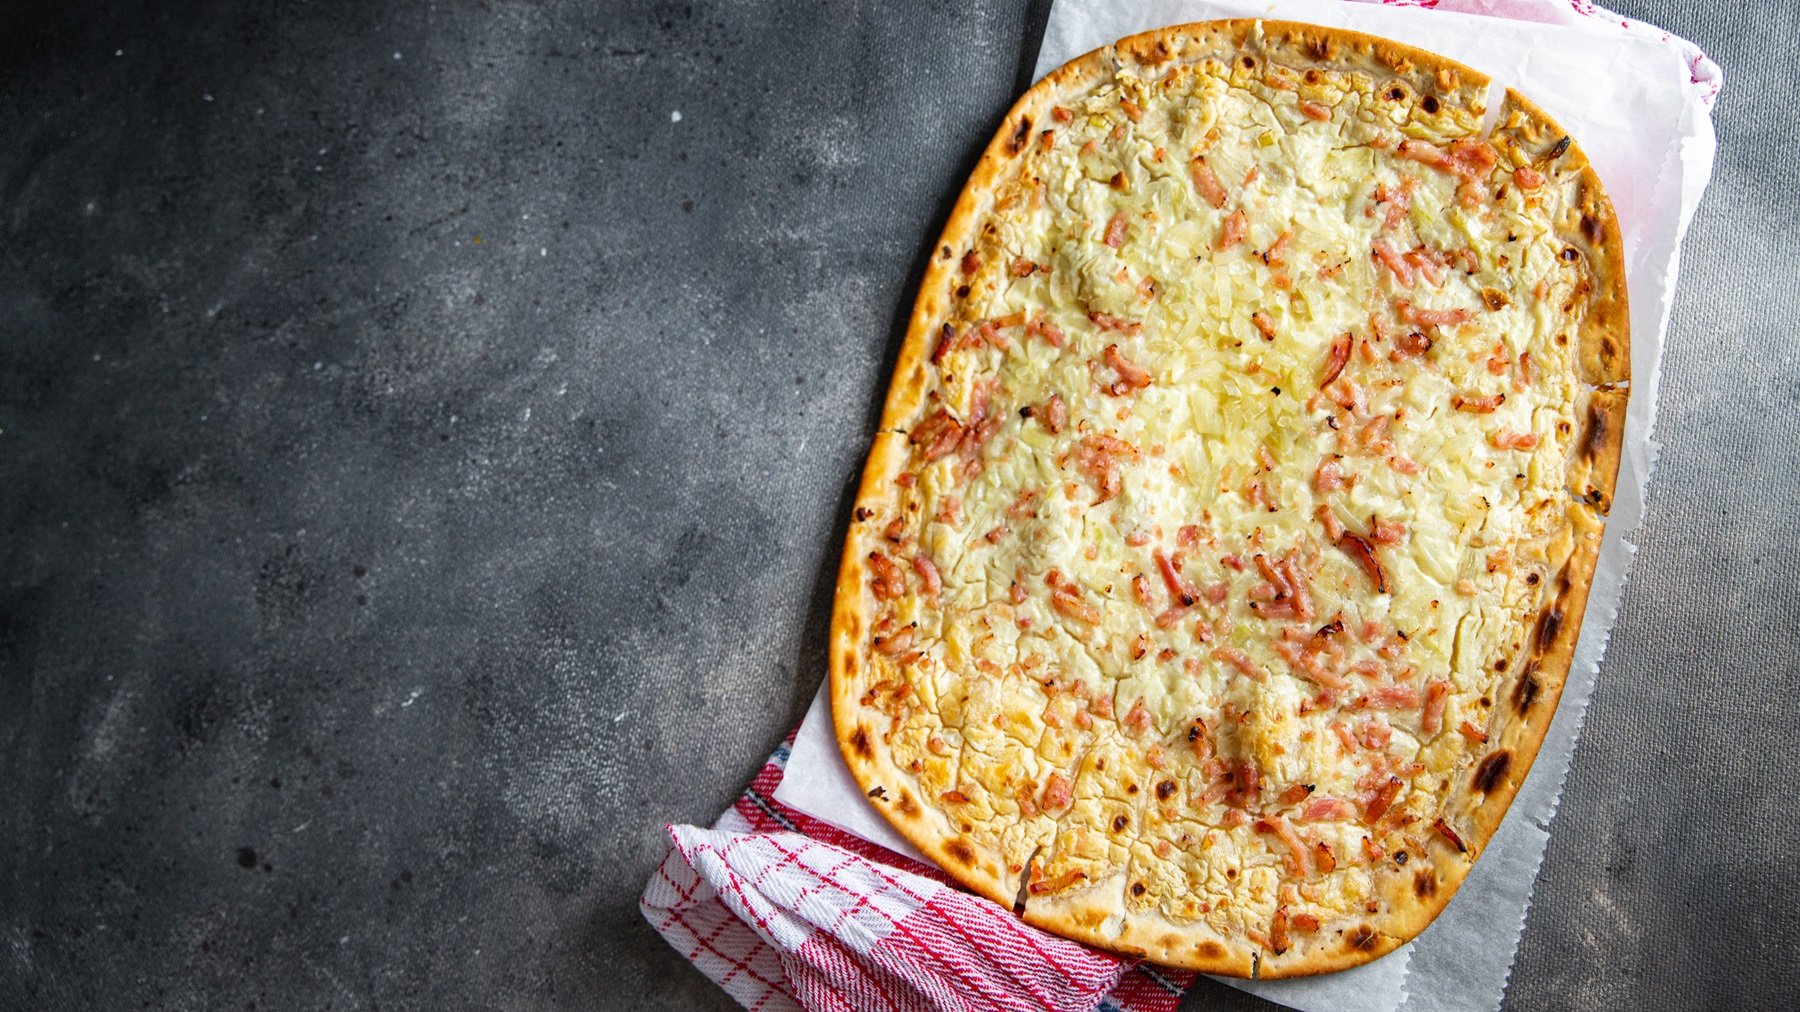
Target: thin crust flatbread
[[1218, 563]]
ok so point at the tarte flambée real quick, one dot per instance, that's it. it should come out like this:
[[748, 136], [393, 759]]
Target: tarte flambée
[[1218, 563]]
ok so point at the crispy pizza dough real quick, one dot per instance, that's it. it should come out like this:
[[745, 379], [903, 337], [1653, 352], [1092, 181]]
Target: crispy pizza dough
[[1218, 563]]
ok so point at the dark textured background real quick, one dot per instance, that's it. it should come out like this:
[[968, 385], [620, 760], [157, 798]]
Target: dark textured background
[[421, 459]]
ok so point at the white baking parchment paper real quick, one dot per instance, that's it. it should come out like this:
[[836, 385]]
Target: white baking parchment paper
[[1638, 101]]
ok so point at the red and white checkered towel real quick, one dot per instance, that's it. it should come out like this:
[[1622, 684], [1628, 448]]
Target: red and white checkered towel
[[786, 912]]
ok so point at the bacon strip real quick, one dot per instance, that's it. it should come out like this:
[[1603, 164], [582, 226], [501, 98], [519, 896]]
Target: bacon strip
[[1115, 231], [1066, 598], [1426, 264], [1444, 830], [1329, 520], [1066, 880], [1323, 808], [1394, 262], [928, 574], [1233, 231], [1315, 111], [1437, 694], [1276, 254], [1473, 160], [1378, 802], [1131, 376], [1296, 855], [1099, 456], [888, 581], [938, 435], [1237, 659], [1337, 359], [1363, 554], [1506, 439], [1411, 345], [1399, 202], [1394, 697], [1181, 592], [1434, 317], [1051, 415], [898, 643], [1386, 532], [1476, 404], [1106, 321], [1058, 792], [1050, 332], [1423, 152], [1137, 719], [1245, 784], [1207, 184]]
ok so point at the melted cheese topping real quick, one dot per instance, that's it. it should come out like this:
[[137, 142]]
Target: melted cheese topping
[[1161, 608]]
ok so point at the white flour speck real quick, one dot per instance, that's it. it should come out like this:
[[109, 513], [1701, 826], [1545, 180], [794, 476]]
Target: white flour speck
[[675, 117]]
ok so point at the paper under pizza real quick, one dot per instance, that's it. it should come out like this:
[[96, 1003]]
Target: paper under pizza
[[1218, 563]]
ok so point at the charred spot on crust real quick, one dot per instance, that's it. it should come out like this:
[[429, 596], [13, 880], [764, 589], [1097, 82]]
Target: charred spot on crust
[[1137, 888], [864, 512], [1596, 431], [1361, 938], [1430, 104], [1590, 229], [1549, 624], [1525, 691], [1165, 790], [1119, 823], [859, 743], [1249, 63], [1571, 254], [1156, 56], [1396, 93], [1312, 76], [1425, 883], [1211, 949], [960, 850], [908, 807], [1020, 135], [1492, 769], [1557, 149]]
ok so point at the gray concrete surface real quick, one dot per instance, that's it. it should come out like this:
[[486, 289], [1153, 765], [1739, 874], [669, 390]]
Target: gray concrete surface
[[424, 434]]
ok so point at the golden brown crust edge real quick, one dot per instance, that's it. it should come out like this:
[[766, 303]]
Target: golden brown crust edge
[[1416, 895]]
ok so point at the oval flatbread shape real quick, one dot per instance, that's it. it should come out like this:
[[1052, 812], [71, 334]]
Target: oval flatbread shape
[[1217, 565]]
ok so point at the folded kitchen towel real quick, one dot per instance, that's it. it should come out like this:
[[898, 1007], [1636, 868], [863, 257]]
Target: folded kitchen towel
[[786, 912]]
